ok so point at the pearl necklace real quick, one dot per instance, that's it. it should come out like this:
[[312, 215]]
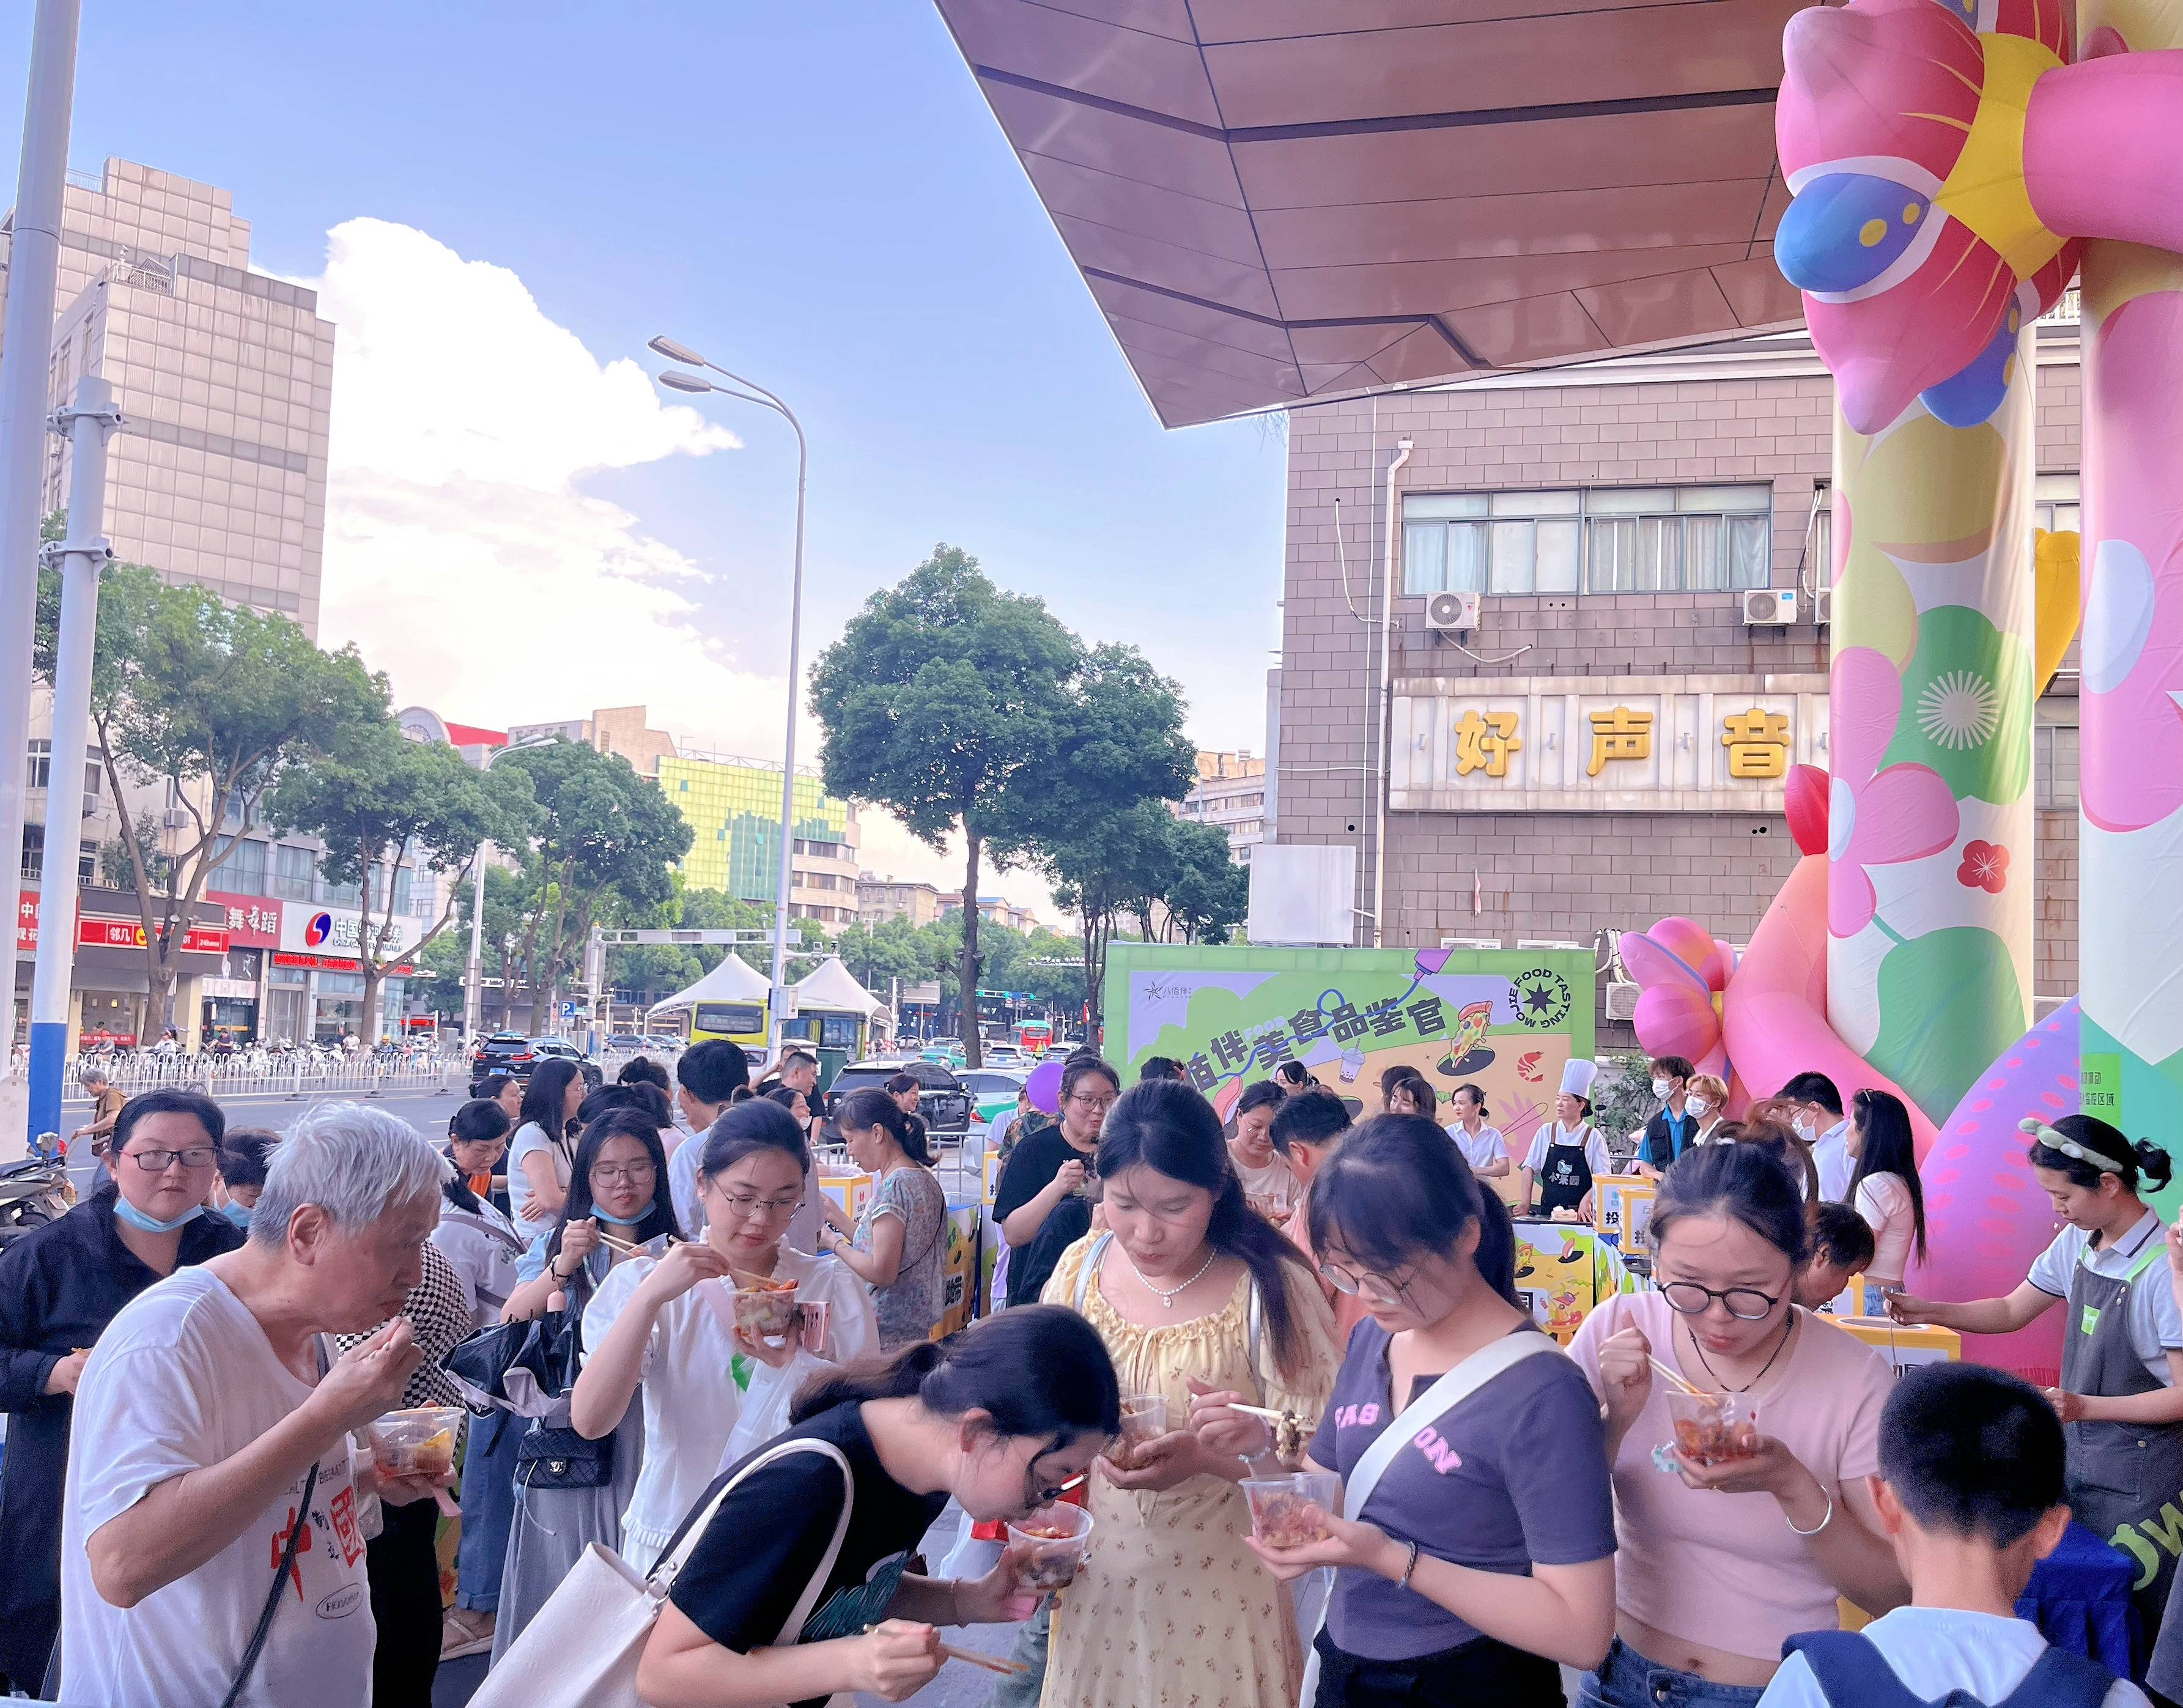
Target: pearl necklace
[[1167, 1295]]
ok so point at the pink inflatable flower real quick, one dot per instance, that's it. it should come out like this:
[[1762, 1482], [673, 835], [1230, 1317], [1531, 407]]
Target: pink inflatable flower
[[1875, 817], [1682, 971]]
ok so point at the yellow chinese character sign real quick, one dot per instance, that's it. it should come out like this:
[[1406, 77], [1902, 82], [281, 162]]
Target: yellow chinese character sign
[[1621, 733], [1758, 743], [1483, 743]]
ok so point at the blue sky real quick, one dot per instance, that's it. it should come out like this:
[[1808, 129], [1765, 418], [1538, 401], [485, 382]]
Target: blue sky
[[817, 196]]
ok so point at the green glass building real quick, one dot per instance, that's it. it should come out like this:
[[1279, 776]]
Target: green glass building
[[734, 813]]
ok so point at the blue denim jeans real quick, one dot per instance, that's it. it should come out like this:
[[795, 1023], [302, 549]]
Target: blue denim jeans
[[488, 1511], [1628, 1680]]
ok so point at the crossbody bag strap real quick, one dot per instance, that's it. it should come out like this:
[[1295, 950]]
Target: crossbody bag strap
[[302, 1521], [1445, 1394], [1090, 1269], [663, 1574]]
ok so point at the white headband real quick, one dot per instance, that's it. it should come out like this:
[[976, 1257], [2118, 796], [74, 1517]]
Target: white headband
[[2069, 1147]]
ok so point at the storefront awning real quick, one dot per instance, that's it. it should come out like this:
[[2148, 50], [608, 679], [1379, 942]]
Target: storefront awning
[[1276, 200]]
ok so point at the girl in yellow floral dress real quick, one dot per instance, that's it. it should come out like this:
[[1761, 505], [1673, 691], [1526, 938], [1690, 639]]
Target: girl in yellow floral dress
[[1172, 1610]]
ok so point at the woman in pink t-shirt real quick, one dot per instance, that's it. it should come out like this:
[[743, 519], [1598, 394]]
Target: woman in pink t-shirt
[[1721, 1562]]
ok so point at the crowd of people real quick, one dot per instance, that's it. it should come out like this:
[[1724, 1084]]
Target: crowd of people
[[192, 1359]]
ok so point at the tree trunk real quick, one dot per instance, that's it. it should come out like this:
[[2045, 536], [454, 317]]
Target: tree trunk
[[967, 967]]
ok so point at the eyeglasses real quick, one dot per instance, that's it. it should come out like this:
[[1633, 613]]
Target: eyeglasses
[[633, 1175], [1098, 1105], [1379, 1288], [1744, 1304], [159, 1161], [1037, 1492], [760, 1209]]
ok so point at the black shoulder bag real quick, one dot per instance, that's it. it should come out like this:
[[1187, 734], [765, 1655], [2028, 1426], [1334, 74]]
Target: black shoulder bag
[[273, 1598], [551, 1456]]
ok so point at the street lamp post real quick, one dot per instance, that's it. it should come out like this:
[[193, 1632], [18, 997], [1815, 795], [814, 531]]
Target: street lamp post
[[676, 379]]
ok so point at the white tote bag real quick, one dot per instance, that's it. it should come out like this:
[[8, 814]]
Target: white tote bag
[[1453, 1388], [581, 1649]]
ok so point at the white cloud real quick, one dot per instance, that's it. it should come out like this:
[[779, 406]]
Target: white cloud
[[465, 560]]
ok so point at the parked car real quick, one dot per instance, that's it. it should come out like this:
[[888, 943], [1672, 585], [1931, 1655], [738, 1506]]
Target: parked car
[[941, 1099], [631, 1040], [994, 1090], [1002, 1055], [517, 1053]]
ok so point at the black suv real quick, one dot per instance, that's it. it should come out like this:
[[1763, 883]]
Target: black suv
[[517, 1053], [941, 1100]]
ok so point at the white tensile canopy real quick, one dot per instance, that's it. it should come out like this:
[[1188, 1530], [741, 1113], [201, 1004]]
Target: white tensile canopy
[[831, 986], [734, 980]]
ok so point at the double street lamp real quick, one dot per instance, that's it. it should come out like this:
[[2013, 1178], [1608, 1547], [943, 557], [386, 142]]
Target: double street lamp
[[678, 379]]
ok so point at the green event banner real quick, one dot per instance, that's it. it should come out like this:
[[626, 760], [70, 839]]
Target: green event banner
[[1504, 1020]]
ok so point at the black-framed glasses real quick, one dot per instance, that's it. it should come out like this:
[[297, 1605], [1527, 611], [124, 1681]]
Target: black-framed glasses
[[1744, 1304], [159, 1161], [1381, 1288]]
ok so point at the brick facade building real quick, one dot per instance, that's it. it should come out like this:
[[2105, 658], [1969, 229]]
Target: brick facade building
[[1699, 476]]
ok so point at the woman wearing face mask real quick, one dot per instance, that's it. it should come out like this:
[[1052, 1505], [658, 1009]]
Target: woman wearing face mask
[[2121, 1397], [900, 1237], [60, 1285], [1884, 1189], [666, 1324], [1564, 1158], [1482, 1146], [1720, 1563], [542, 1156], [617, 1183], [798, 1105], [241, 1166], [1706, 1101], [783, 1599], [1466, 1589], [1174, 1289], [1269, 1185]]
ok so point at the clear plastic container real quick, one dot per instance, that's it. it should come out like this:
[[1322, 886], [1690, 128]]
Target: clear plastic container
[[1050, 1545], [1144, 1415], [767, 1313], [1290, 1512], [1714, 1428], [419, 1442]]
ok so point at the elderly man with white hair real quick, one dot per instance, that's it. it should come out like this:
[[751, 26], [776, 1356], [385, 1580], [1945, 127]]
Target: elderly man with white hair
[[211, 1434]]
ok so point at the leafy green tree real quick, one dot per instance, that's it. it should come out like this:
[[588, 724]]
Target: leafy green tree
[[944, 700], [381, 800], [603, 834], [199, 709], [1103, 872], [1203, 895]]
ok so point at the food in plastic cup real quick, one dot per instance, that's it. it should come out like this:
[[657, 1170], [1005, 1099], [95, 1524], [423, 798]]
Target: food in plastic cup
[[1713, 1428], [1144, 1415], [419, 1442], [1051, 1545], [767, 1313], [1290, 1512]]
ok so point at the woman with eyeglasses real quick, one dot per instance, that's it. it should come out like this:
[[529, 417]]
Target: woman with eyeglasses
[[1721, 1562], [1482, 1558], [1193, 1293], [2121, 1395], [1047, 1176], [60, 1285]]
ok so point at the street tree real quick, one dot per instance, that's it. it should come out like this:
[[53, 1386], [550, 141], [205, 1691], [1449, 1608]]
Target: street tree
[[200, 709], [1102, 873], [944, 701], [380, 801], [602, 835], [1202, 895]]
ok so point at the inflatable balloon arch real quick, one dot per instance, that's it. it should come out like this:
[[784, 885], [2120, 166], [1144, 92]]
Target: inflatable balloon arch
[[1952, 164]]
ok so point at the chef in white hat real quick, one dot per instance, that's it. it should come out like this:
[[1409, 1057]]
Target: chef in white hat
[[1564, 1157]]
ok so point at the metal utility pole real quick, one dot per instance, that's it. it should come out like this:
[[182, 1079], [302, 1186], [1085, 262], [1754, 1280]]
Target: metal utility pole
[[83, 556], [27, 336]]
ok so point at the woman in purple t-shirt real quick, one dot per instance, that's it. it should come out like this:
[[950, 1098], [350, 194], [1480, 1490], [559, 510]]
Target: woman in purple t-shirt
[[1484, 1555]]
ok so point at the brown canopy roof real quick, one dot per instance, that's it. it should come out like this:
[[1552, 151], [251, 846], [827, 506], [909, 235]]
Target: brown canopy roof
[[1279, 199]]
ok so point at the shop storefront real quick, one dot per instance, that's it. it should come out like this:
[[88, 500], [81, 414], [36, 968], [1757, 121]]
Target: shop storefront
[[228, 1001]]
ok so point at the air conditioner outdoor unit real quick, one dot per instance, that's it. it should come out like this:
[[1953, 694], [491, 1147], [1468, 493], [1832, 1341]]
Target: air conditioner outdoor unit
[[175, 818], [1470, 943], [1545, 942], [1449, 611], [1823, 606], [1769, 608], [1622, 1001]]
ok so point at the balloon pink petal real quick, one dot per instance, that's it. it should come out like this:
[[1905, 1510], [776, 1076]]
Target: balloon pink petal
[[1685, 938], [1868, 699], [1676, 1020], [1850, 899], [1904, 812], [1654, 966]]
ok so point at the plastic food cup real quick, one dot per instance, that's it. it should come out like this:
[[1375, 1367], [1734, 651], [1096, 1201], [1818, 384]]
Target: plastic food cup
[[1282, 1508], [767, 1313], [419, 1442], [1714, 1428], [1144, 1415], [1051, 1545]]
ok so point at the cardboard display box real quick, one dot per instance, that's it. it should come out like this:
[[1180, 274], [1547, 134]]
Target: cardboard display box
[[1563, 1269]]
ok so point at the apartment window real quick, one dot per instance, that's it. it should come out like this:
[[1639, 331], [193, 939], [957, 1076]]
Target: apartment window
[[2054, 767], [1603, 540], [243, 870], [292, 873], [2054, 502], [38, 769]]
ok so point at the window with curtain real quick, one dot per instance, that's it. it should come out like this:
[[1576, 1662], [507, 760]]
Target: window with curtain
[[243, 871], [292, 873], [1605, 540]]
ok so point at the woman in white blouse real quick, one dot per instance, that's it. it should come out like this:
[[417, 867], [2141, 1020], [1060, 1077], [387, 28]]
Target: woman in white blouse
[[1884, 1189], [1482, 1146]]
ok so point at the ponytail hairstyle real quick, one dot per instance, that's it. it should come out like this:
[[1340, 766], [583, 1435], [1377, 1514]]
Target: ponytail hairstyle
[[1039, 1370], [1888, 1147], [1294, 1075], [2089, 1133], [1170, 1128], [869, 1106], [1477, 1092], [1766, 1128], [1749, 1182], [756, 1124], [1397, 1191], [479, 1122]]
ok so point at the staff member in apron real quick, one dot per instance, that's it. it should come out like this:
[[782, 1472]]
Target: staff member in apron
[[2121, 1397], [1564, 1157]]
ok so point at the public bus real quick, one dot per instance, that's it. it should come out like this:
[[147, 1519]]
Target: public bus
[[1035, 1037], [746, 1023]]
